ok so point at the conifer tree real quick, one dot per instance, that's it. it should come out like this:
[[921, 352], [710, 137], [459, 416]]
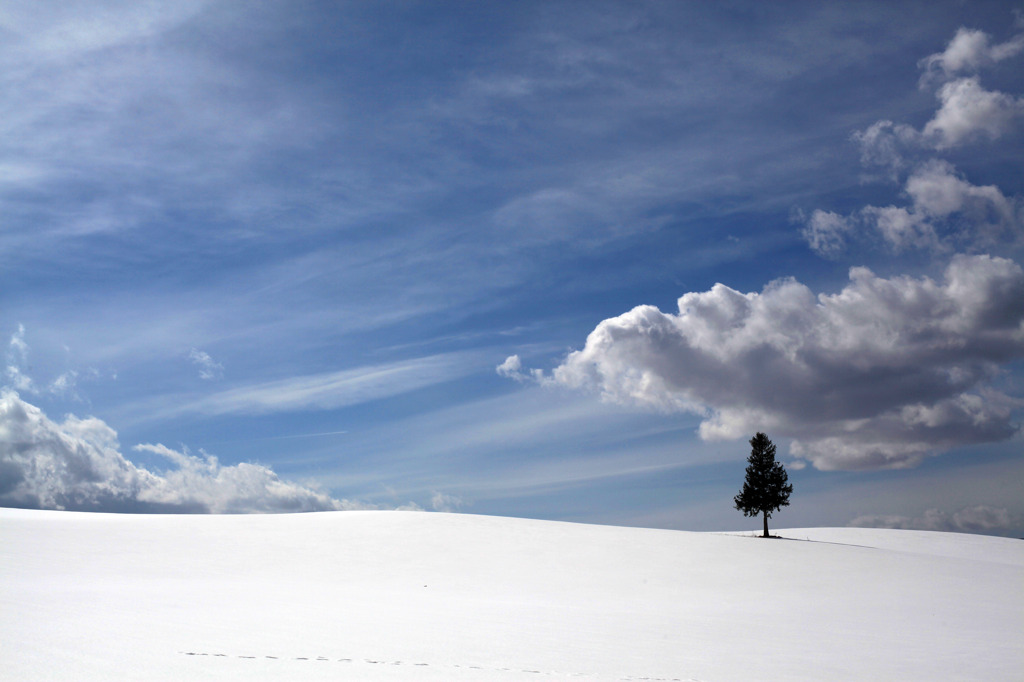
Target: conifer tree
[[766, 488]]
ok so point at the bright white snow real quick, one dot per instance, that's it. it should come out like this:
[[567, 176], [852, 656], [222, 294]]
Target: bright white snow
[[426, 596]]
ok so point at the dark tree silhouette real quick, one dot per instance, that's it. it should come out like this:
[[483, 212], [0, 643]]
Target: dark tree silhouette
[[766, 488]]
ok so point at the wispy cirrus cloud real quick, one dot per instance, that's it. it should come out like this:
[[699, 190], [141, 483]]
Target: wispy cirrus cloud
[[443, 502], [532, 444], [112, 125], [17, 359], [58, 30], [331, 390], [208, 367], [16, 372]]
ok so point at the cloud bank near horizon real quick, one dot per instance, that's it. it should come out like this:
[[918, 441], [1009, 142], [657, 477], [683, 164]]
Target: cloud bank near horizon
[[77, 465], [976, 519]]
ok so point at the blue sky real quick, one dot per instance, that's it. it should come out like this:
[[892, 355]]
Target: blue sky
[[307, 255]]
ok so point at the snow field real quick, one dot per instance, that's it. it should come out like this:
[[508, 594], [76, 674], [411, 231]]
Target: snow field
[[425, 596]]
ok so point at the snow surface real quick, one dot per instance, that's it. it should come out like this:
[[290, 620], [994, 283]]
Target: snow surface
[[427, 596]]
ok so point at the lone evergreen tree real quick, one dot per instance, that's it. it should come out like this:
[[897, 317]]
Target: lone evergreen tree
[[765, 489]]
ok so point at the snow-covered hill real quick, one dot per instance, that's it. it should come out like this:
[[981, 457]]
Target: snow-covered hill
[[426, 596]]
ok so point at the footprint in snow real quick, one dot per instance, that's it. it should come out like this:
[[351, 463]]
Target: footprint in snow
[[454, 665]]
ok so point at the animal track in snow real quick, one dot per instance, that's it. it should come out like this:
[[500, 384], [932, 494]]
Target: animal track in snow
[[371, 661]]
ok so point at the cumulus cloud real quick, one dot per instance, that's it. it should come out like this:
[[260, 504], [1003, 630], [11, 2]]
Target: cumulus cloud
[[826, 232], [967, 52], [878, 375], [77, 464], [946, 213], [946, 210], [900, 228], [976, 519], [884, 144], [512, 368], [201, 481], [969, 111], [969, 215], [937, 191], [208, 368]]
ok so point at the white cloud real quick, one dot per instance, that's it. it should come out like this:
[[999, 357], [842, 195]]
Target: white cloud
[[208, 368], [17, 344], [883, 144], [946, 213], [876, 376], [333, 389], [937, 191], [65, 383], [77, 464], [967, 52], [18, 379], [59, 29], [976, 519], [17, 360], [970, 111], [971, 216], [443, 502], [967, 113], [826, 232], [204, 483], [512, 368], [901, 229]]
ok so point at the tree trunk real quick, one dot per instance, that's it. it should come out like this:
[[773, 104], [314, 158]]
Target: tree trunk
[[765, 515]]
